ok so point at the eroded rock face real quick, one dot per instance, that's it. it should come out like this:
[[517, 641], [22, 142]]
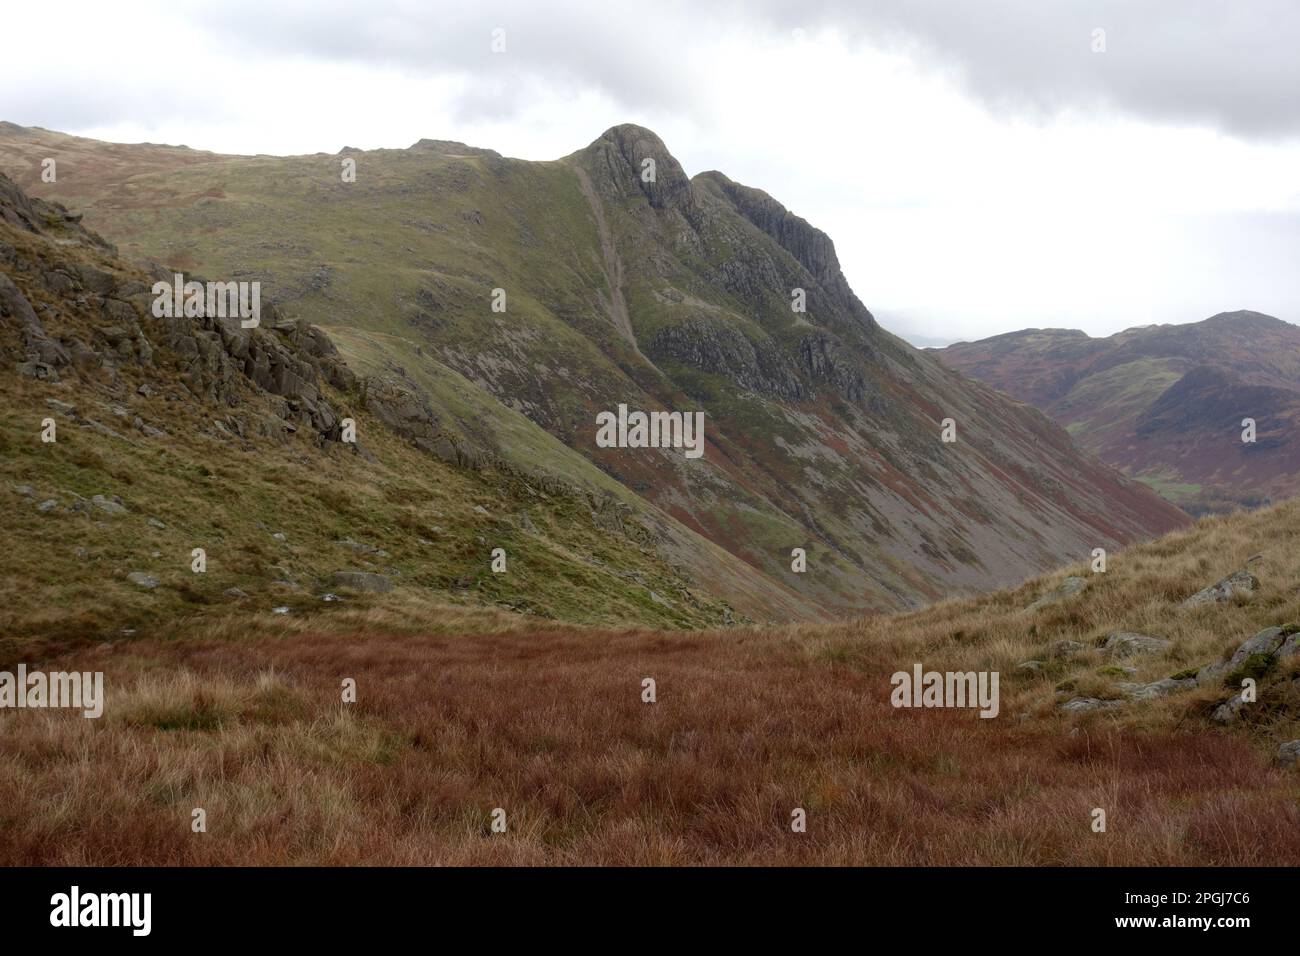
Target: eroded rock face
[[620, 155], [723, 349], [215, 359]]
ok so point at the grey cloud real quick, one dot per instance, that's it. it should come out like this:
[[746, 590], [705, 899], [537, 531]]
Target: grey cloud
[[635, 55], [1234, 65]]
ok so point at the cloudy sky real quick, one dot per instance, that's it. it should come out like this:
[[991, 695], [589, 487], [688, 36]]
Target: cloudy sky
[[982, 166]]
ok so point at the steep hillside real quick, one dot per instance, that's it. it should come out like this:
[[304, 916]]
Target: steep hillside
[[823, 431], [1165, 403], [170, 434]]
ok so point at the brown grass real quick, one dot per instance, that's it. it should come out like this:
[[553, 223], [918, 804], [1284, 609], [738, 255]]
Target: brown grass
[[549, 725]]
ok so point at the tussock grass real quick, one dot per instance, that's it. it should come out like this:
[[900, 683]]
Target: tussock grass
[[480, 710]]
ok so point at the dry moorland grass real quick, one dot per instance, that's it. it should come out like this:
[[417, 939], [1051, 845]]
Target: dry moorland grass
[[547, 723]]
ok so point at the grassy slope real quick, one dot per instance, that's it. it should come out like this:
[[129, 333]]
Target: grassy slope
[[65, 569], [547, 722], [411, 252]]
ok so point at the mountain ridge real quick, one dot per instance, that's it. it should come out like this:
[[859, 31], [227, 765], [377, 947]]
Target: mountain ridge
[[1165, 403], [823, 429]]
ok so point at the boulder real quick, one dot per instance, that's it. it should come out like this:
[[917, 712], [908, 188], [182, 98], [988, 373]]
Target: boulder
[[1078, 705], [1290, 647], [1128, 644], [1212, 674], [142, 579], [1070, 586], [1065, 649], [362, 581], [112, 506], [1160, 688], [1228, 711], [1288, 755], [1265, 642], [1241, 582]]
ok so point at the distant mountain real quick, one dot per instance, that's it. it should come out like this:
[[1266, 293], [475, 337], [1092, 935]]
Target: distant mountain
[[1165, 403], [621, 281]]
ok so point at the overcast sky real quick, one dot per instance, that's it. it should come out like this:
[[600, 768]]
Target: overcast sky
[[980, 166]]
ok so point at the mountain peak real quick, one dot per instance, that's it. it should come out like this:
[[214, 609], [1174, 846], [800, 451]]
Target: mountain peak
[[618, 159], [1245, 316]]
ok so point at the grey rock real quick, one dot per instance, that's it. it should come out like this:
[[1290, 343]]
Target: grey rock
[[63, 408], [112, 506], [1070, 586], [1212, 674], [1288, 755], [1241, 582], [1160, 688], [1065, 649], [27, 491], [279, 536], [362, 581], [1128, 644], [1078, 705], [1265, 642], [1289, 648], [1229, 710], [479, 509], [140, 578], [155, 523], [48, 505], [1032, 667], [237, 593], [279, 610]]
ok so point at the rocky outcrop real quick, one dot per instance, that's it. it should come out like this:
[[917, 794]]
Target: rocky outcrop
[[1160, 688], [1288, 754], [1241, 582], [215, 359], [362, 581], [1080, 705], [808, 245], [723, 349], [1128, 644], [618, 161], [1069, 587], [824, 359]]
